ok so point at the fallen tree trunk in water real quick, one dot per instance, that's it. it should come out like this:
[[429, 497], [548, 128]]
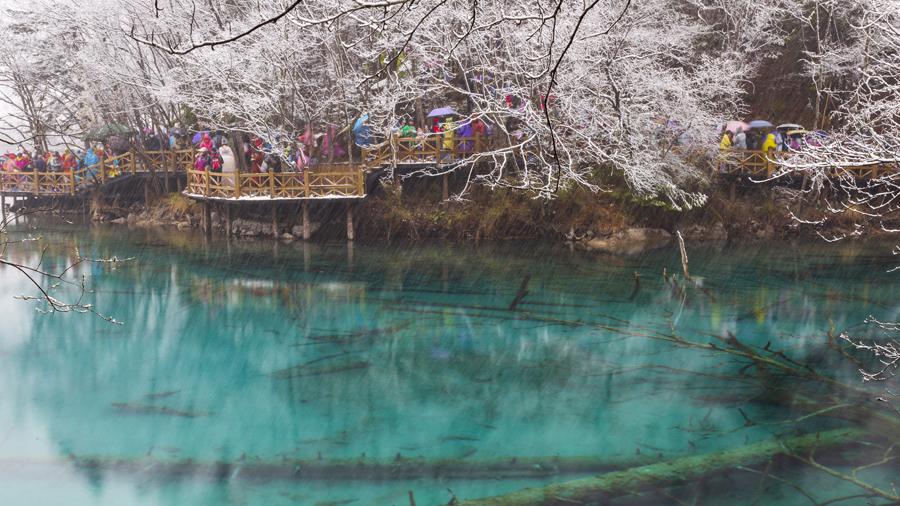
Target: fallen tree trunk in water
[[620, 483], [361, 468]]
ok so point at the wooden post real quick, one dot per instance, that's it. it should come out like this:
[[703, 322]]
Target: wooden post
[[438, 149], [72, 181], [446, 196], [394, 148], [227, 220], [102, 171], [272, 184], [306, 231], [361, 181], [349, 221], [237, 184], [205, 219], [769, 163], [274, 220], [306, 177], [37, 187], [133, 170]]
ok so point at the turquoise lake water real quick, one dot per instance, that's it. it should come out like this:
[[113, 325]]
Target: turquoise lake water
[[258, 352]]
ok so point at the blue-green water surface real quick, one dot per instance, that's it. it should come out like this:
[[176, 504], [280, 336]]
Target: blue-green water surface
[[239, 352]]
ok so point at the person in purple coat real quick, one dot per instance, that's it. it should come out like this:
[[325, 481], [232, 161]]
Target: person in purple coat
[[465, 130]]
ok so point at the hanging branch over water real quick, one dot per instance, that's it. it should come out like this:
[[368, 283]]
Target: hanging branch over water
[[36, 273]]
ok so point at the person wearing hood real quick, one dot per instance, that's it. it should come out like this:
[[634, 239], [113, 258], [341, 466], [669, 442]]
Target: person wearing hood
[[10, 167], [478, 131], [90, 162], [769, 142], [448, 135], [362, 133], [740, 139], [331, 140], [302, 159], [229, 162], [91, 158], [465, 130], [206, 143], [726, 141]]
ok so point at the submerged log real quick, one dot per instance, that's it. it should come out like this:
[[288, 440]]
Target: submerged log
[[620, 483], [319, 369], [131, 408], [364, 468], [523, 291]]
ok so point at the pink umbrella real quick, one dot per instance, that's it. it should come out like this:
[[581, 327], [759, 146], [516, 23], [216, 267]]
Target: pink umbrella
[[732, 125]]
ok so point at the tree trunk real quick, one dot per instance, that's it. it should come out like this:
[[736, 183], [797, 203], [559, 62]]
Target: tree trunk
[[608, 486]]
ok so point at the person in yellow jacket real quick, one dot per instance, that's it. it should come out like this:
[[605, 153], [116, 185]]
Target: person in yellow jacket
[[769, 142], [724, 145], [726, 141], [448, 134]]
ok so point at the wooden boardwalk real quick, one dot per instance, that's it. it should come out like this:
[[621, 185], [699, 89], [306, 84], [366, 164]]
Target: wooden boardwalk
[[348, 181]]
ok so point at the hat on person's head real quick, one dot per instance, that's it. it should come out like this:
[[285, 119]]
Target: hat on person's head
[[202, 149]]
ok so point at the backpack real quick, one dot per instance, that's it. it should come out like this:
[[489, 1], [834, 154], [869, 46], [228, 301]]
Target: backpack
[[217, 163]]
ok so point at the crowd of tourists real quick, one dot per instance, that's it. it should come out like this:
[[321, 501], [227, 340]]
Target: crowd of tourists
[[783, 138], [214, 153], [67, 163]]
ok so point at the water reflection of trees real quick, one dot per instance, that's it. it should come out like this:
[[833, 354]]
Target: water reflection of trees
[[442, 366]]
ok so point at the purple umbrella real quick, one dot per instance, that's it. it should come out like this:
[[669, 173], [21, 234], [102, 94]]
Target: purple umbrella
[[199, 136], [442, 111]]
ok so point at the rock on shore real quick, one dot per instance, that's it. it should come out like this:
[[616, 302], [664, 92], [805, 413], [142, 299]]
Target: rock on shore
[[629, 241]]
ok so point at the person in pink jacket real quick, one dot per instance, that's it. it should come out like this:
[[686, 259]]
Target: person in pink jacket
[[329, 140], [206, 143]]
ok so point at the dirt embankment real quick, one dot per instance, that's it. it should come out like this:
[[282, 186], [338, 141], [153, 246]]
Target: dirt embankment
[[612, 220]]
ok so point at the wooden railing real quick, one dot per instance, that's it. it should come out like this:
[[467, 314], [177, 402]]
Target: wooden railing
[[322, 183], [765, 164], [424, 150], [348, 180], [71, 182]]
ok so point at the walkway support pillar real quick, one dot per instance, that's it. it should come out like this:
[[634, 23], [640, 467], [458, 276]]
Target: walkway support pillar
[[349, 221], [3, 207], [146, 192], [274, 221], [205, 219], [227, 220], [446, 202], [306, 233]]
